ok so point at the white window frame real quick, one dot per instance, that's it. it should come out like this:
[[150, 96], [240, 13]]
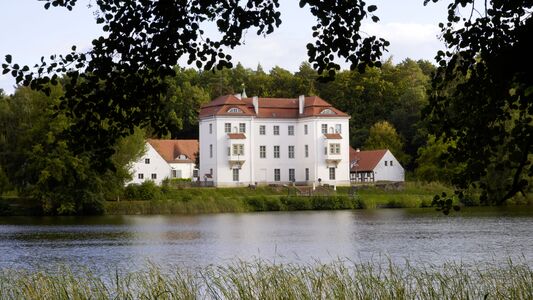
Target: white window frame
[[140, 176], [290, 130], [292, 175], [276, 130], [306, 129], [210, 150], [306, 174], [154, 176], [306, 147], [235, 175], [147, 161], [238, 149], [262, 151], [324, 128], [210, 128], [332, 174], [262, 129], [338, 128], [277, 151], [227, 127], [242, 127], [335, 149], [277, 174], [291, 151]]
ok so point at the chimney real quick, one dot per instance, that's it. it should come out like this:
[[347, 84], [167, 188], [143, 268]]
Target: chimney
[[255, 101], [301, 102], [357, 150]]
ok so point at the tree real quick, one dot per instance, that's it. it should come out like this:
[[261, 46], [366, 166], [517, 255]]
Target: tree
[[38, 162], [432, 162], [382, 135], [482, 93]]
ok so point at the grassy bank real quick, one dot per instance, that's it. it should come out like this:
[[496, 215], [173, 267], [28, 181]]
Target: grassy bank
[[264, 280], [213, 200]]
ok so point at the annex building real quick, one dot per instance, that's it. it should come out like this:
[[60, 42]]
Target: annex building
[[302, 140], [164, 159]]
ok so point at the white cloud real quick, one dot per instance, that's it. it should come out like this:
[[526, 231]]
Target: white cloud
[[416, 41]]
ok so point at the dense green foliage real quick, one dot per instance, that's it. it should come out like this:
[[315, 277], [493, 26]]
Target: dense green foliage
[[340, 279], [39, 164]]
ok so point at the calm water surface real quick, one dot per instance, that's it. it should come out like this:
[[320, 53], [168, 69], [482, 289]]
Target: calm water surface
[[129, 242]]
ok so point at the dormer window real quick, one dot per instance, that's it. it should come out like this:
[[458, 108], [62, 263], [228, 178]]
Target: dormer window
[[235, 110], [327, 111]]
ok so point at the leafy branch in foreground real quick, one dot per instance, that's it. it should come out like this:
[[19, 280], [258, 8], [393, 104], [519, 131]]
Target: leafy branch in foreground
[[481, 97]]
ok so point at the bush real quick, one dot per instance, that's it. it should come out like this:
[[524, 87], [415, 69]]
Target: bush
[[296, 203], [147, 190]]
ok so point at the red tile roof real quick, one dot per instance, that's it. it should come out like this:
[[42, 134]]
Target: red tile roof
[[270, 107], [333, 136], [236, 136], [366, 160], [170, 150]]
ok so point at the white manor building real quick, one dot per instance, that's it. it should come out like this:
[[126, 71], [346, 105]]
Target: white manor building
[[245, 141]]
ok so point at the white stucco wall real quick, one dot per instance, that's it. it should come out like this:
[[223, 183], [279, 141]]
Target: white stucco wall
[[388, 172], [186, 170], [157, 166], [261, 170]]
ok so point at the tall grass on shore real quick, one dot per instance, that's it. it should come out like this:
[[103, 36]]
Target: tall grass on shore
[[264, 280]]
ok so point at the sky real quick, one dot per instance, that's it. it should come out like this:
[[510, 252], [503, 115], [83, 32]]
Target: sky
[[28, 31]]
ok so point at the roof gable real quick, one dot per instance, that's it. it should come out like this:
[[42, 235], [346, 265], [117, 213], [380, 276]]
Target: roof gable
[[171, 149], [366, 160]]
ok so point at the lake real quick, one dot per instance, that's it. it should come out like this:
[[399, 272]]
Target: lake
[[129, 242]]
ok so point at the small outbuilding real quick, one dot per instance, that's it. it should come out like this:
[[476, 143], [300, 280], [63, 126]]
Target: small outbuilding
[[166, 159], [375, 165]]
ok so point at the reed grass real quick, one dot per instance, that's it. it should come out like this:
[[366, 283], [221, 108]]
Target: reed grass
[[341, 279]]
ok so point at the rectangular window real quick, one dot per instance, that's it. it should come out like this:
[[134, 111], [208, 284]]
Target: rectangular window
[[292, 178], [305, 129], [238, 149], [210, 128], [324, 128], [276, 151], [211, 171], [334, 149], [262, 151], [147, 161], [140, 176], [391, 163], [291, 129], [242, 127], [235, 174], [277, 175], [195, 173], [176, 173], [154, 176], [331, 173], [276, 130], [229, 151], [262, 129], [227, 127], [326, 150], [338, 128], [306, 150], [291, 151], [211, 150], [306, 174], [385, 163]]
